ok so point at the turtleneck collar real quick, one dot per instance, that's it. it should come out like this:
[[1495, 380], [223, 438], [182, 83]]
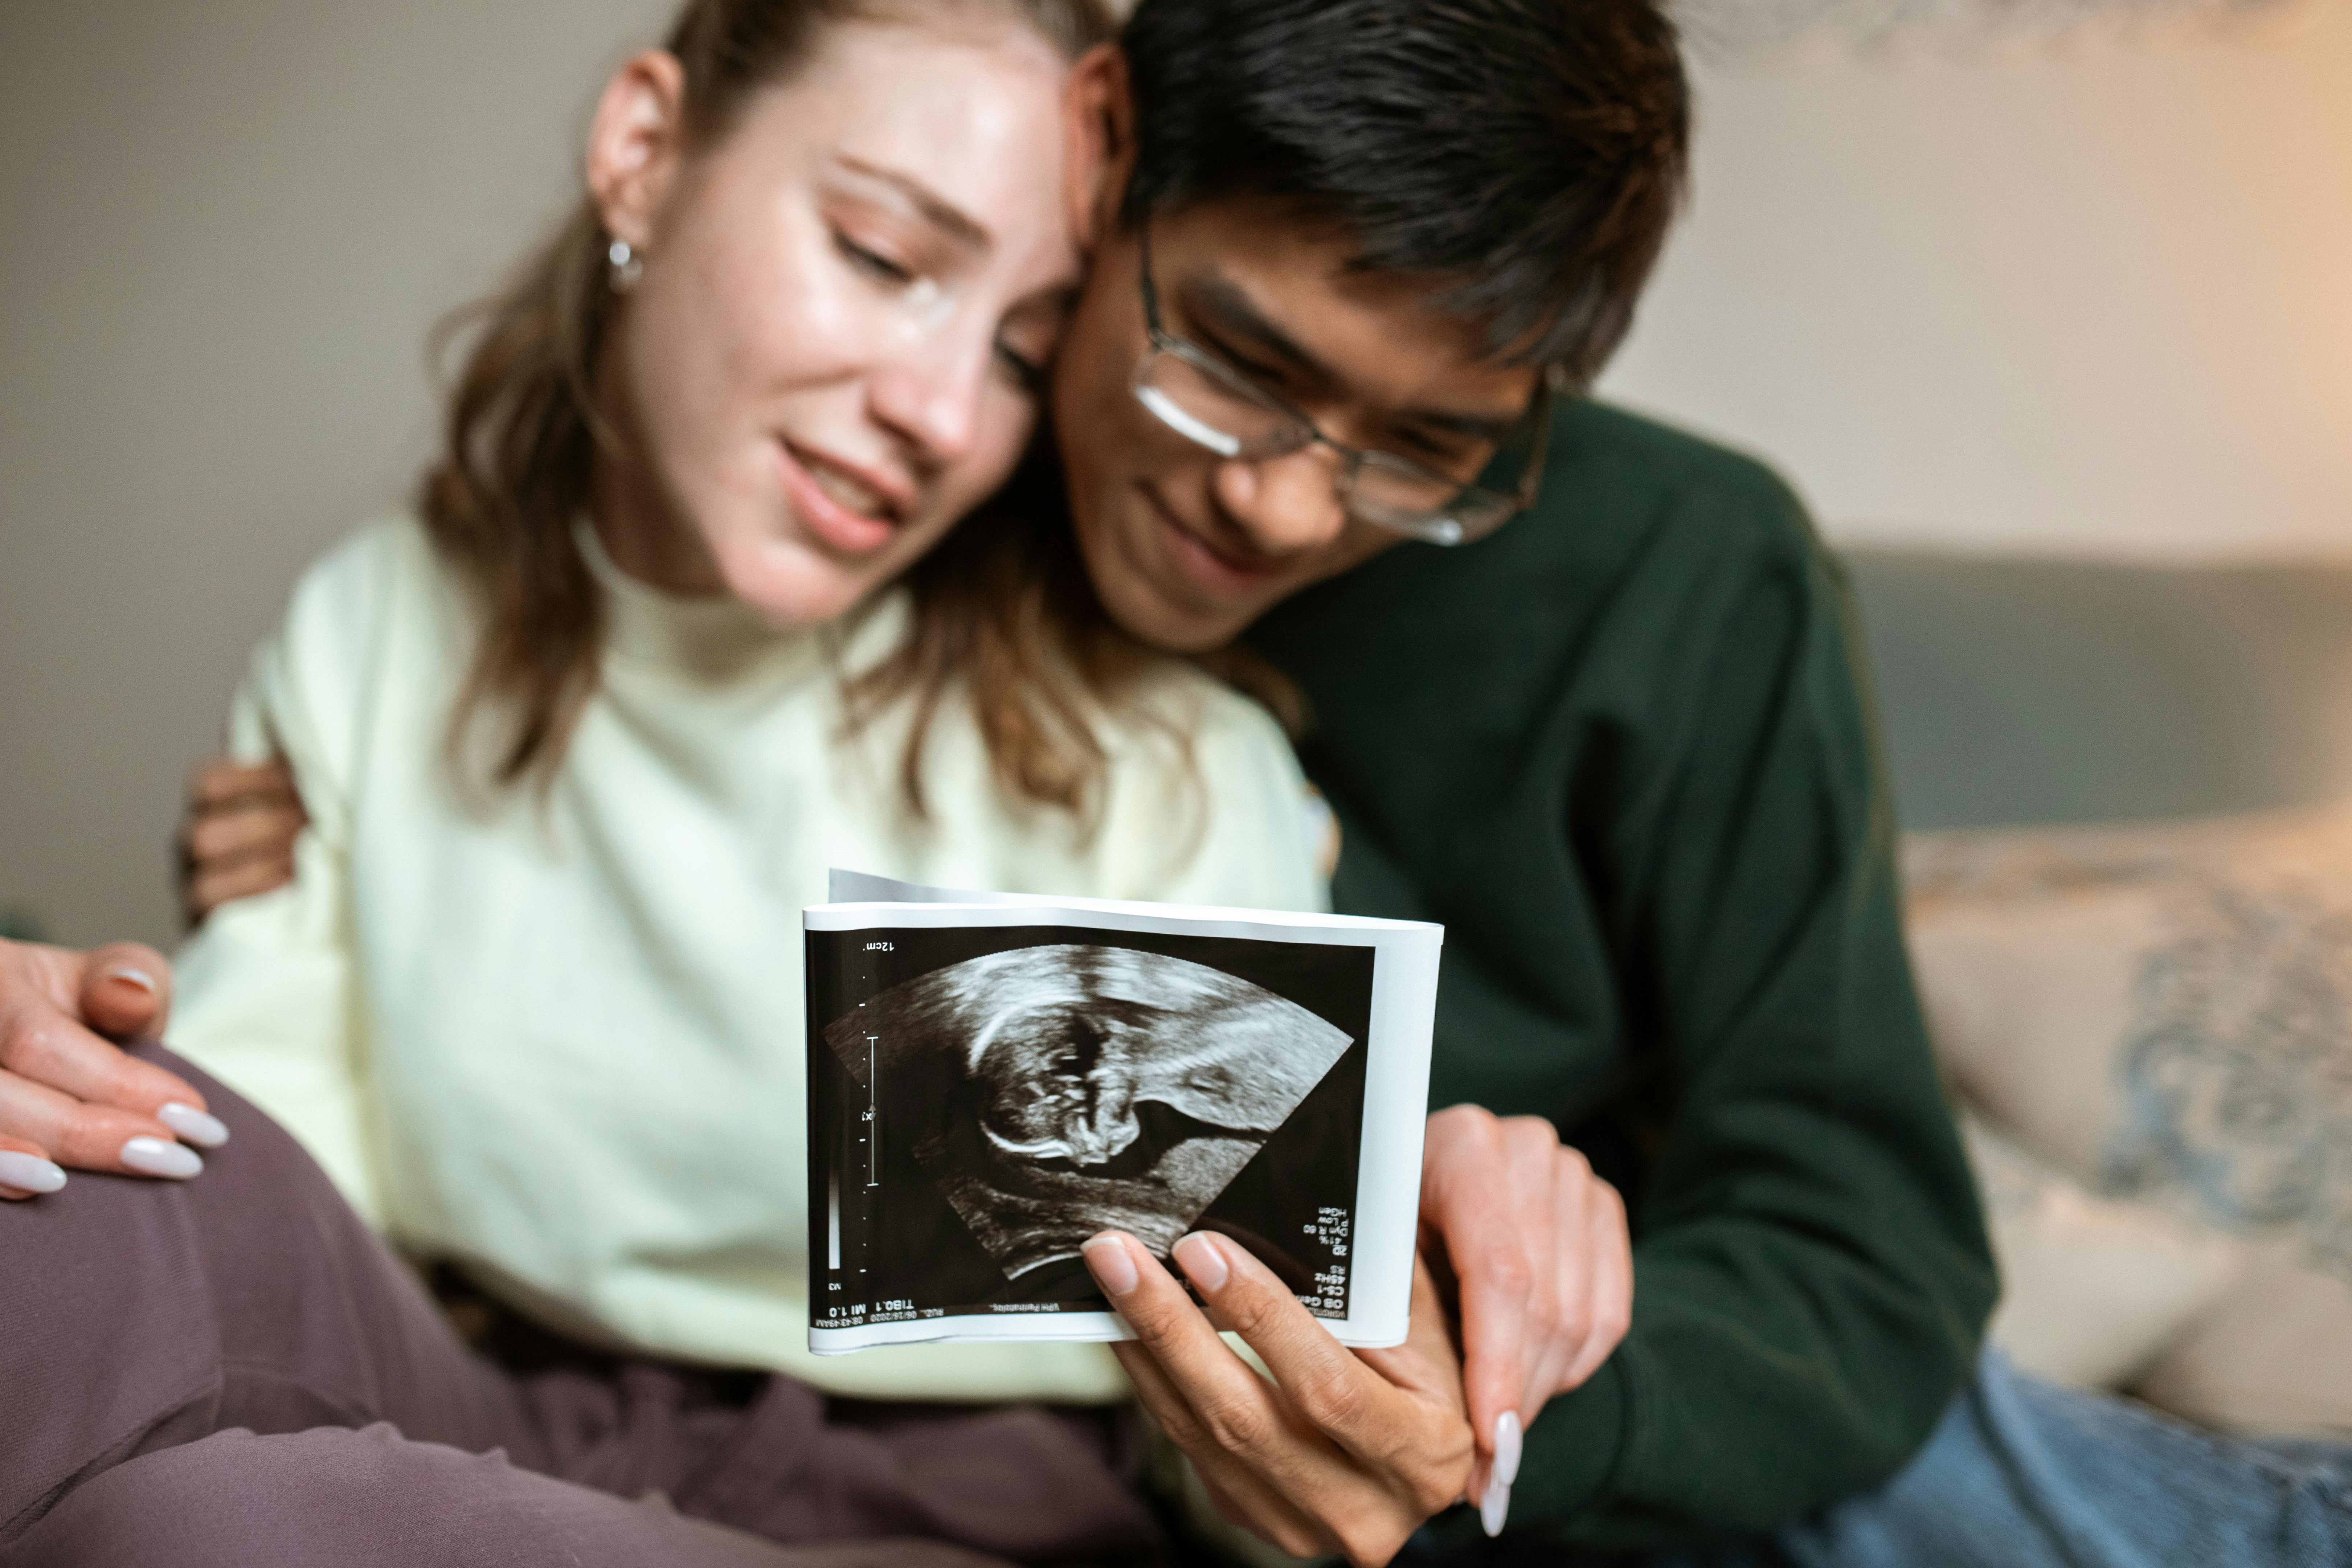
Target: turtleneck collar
[[708, 638]]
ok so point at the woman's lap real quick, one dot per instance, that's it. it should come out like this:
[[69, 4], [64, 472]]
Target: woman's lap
[[146, 1319], [374, 1498]]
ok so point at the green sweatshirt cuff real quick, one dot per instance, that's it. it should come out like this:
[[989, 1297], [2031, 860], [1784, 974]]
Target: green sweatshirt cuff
[[1570, 1459], [1572, 1449]]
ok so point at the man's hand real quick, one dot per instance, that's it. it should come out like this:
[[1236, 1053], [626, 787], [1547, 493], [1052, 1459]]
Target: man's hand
[[1345, 1451], [69, 1098], [238, 837], [1540, 1260]]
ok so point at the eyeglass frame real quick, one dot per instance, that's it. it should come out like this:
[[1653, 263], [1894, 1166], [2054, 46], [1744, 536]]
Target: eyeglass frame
[[1439, 528]]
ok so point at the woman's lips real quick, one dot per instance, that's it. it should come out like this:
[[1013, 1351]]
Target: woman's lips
[[835, 525]]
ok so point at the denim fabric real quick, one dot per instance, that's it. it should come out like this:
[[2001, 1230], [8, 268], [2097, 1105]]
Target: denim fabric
[[2024, 1474]]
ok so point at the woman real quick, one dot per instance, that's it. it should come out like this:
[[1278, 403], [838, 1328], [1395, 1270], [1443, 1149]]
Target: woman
[[640, 619]]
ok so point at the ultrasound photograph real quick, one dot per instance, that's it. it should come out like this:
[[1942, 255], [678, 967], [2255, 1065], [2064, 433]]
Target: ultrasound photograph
[[987, 1099]]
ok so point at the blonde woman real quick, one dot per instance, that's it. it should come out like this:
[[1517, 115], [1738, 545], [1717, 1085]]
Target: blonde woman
[[577, 739]]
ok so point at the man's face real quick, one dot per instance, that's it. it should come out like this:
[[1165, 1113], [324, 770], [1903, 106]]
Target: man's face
[[1186, 548]]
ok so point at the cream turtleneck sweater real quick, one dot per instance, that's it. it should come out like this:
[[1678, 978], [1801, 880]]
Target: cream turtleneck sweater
[[560, 1043]]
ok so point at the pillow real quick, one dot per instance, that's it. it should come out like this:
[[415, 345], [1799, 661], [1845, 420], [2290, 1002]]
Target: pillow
[[2164, 1015], [2091, 1287]]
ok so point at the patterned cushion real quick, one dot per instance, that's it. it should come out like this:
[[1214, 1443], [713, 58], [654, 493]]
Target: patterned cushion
[[2163, 1016]]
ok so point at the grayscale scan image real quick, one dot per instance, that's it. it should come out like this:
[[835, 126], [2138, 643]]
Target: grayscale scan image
[[983, 1115]]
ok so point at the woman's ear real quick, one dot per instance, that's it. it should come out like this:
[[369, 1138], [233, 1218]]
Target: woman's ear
[[635, 144], [1100, 114]]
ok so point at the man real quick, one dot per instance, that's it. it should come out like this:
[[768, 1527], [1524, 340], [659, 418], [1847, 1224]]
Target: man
[[1351, 254], [1616, 747]]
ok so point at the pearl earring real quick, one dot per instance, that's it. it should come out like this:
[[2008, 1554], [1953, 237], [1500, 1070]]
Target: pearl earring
[[625, 267]]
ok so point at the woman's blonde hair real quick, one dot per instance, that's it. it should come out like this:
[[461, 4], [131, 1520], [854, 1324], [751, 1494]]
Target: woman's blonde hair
[[1001, 609]]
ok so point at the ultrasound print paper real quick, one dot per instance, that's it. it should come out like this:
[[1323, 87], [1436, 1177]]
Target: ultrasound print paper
[[1105, 1088], [986, 1098]]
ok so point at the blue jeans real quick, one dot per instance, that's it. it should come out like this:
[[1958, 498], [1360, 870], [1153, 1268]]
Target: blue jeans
[[2022, 1474]]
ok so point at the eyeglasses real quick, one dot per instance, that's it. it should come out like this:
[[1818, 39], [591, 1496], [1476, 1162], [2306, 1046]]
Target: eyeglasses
[[1202, 399]]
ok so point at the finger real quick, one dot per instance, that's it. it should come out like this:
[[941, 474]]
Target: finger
[[1610, 1287], [1465, 1169], [247, 828], [93, 1137], [210, 888], [1182, 1344], [25, 1170], [1538, 1163], [1238, 1494], [126, 989], [1235, 1411], [218, 780], [53, 1051], [1344, 1399]]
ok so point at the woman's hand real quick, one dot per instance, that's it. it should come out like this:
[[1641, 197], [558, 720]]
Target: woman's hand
[[69, 1098], [1540, 1261], [1345, 1451], [237, 839]]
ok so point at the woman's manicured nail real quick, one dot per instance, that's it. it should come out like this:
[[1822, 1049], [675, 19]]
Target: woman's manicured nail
[[153, 1157], [1204, 1265], [204, 1131], [1507, 1448], [29, 1173], [130, 976], [1496, 1506], [1114, 1270]]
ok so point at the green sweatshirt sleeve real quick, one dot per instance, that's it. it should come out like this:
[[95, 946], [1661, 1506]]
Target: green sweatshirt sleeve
[[1627, 759], [1811, 1272]]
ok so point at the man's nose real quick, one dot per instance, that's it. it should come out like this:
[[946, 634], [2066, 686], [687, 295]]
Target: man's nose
[[1287, 505], [929, 395]]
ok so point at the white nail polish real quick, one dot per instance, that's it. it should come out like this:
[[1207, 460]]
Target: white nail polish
[[1496, 1506], [139, 977], [204, 1131], [29, 1173], [153, 1157], [1507, 1448]]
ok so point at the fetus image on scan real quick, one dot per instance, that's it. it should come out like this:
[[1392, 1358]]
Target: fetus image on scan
[[1054, 1092]]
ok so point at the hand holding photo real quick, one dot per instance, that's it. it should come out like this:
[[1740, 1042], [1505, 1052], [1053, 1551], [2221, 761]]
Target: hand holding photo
[[1002, 1078]]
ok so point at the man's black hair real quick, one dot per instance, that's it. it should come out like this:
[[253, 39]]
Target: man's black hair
[[1525, 155]]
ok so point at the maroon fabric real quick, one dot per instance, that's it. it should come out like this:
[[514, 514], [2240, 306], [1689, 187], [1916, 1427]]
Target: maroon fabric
[[245, 1328], [373, 1499]]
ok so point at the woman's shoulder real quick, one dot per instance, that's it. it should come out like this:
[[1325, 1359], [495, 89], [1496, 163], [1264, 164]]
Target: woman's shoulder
[[370, 614], [385, 553], [381, 576]]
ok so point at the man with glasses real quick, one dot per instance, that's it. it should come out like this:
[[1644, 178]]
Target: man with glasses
[[1353, 262]]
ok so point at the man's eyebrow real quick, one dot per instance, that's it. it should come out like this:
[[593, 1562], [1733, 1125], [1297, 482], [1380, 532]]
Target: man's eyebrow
[[960, 226], [1233, 313]]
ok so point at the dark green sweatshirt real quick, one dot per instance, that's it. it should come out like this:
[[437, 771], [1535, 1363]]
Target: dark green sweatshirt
[[1623, 751]]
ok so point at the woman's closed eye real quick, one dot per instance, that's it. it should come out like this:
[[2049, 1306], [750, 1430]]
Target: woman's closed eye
[[1027, 375], [873, 263]]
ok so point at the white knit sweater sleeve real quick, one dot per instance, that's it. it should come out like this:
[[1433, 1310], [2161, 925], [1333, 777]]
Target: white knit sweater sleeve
[[266, 996]]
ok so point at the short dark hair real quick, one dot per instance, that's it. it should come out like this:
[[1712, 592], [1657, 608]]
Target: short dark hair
[[1525, 155]]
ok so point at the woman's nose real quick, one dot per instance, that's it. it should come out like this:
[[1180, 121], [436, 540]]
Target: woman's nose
[[1287, 505], [930, 396]]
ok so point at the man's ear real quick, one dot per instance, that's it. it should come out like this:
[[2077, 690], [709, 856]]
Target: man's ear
[[635, 143], [1099, 111]]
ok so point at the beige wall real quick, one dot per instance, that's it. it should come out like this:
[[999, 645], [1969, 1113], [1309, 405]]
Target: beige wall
[[2092, 298], [226, 226]]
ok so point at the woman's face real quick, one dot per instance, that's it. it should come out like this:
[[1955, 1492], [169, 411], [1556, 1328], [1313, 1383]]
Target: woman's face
[[847, 304]]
